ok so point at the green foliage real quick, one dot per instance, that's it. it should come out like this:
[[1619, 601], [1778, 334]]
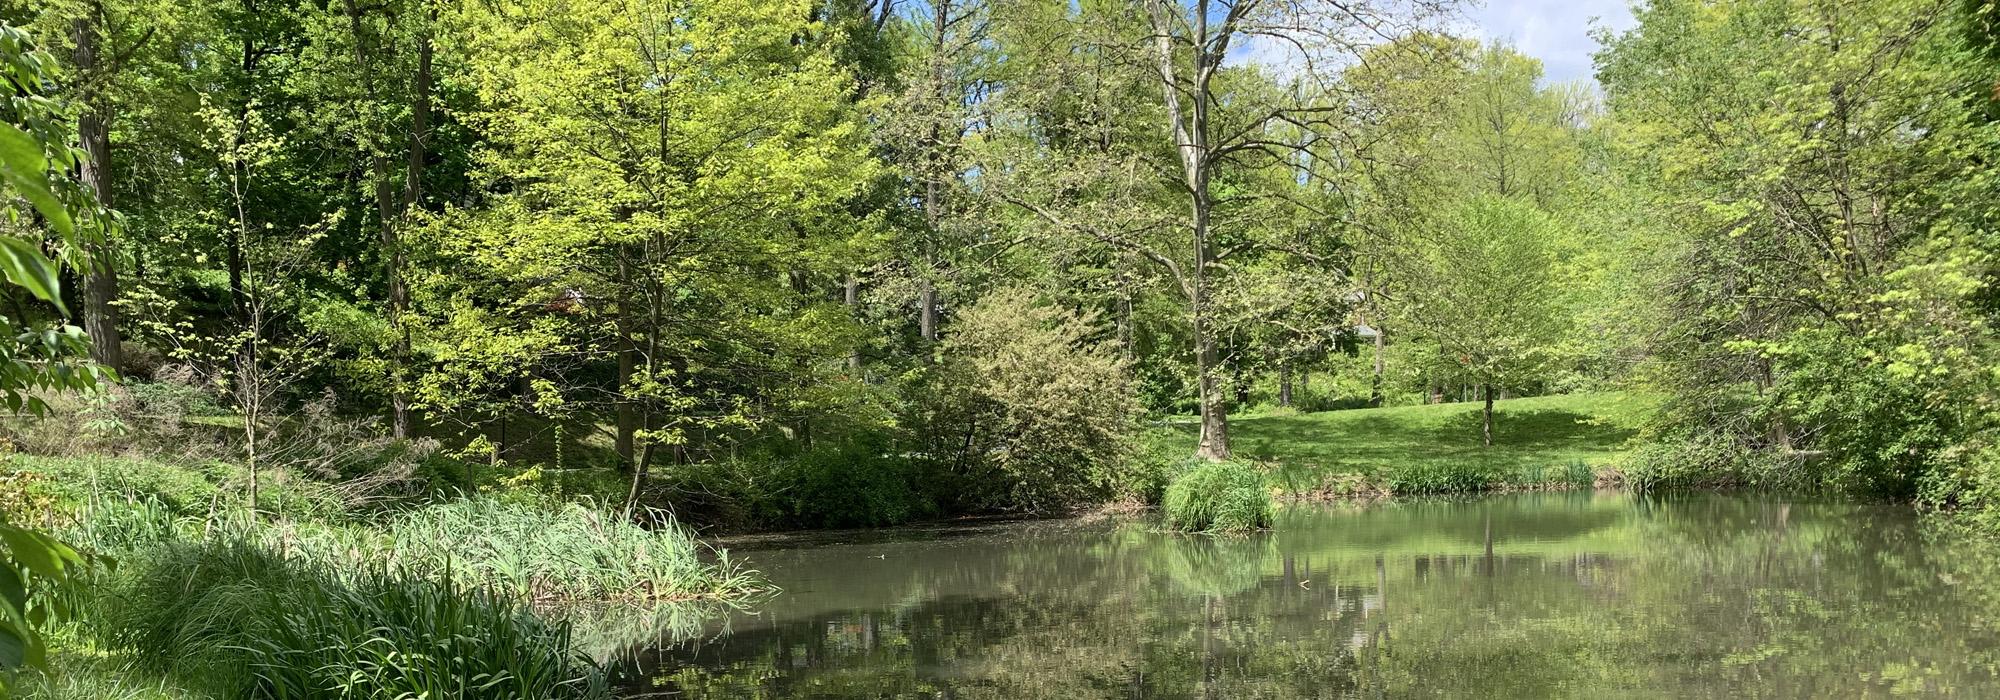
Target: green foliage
[[31, 562], [1812, 253], [1707, 460], [1579, 474], [231, 616], [35, 164], [1486, 286], [73, 485], [1161, 456], [1440, 477], [550, 553], [1218, 497], [854, 484], [1030, 410]]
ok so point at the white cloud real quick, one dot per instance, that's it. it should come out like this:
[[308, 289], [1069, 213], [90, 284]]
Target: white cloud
[[1555, 31]]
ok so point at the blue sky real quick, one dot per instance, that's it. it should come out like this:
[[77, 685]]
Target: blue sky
[[1556, 31]]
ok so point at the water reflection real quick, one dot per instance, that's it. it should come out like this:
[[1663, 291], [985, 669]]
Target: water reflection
[[1531, 595]]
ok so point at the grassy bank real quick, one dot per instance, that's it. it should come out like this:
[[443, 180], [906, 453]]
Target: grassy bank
[[1541, 442], [319, 595]]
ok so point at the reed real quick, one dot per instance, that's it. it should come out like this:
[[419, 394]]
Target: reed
[[1219, 497]]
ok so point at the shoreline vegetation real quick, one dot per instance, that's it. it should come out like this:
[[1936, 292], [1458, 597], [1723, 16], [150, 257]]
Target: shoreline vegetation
[[377, 349], [189, 594]]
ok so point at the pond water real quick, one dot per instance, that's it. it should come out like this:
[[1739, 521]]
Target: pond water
[[1527, 595]]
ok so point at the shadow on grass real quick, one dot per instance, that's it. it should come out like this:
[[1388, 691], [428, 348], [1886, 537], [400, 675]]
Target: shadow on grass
[[1529, 429]]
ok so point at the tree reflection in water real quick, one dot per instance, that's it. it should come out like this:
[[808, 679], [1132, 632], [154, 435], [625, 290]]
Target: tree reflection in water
[[1530, 595]]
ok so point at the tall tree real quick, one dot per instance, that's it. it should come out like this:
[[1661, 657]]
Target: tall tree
[[95, 62], [1220, 118], [1487, 284], [658, 177]]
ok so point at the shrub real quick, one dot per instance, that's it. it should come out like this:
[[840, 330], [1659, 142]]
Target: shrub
[[1709, 459], [1028, 410], [1578, 474], [69, 484], [851, 485], [1145, 476], [1219, 497], [851, 481], [1881, 429]]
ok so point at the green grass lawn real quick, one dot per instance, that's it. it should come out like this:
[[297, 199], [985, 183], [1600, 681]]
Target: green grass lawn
[[1541, 442]]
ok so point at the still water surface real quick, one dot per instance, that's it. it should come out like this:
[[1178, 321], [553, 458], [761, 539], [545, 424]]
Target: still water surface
[[1526, 595]]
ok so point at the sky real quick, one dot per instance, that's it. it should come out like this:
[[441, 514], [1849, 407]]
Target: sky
[[1555, 31]]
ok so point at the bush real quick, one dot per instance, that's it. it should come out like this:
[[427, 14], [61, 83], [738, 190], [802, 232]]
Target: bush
[[1163, 455], [1709, 460], [1219, 497], [242, 621], [1881, 430], [1578, 474], [851, 485], [854, 481], [1028, 410]]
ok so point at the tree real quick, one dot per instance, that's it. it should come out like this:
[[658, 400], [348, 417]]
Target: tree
[[666, 181], [1449, 121], [1222, 123], [1816, 172], [932, 117], [1486, 283], [382, 55]]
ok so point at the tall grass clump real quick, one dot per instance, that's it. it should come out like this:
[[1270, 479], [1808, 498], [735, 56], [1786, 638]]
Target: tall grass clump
[[1218, 497], [1578, 474], [237, 619], [560, 553], [1438, 477]]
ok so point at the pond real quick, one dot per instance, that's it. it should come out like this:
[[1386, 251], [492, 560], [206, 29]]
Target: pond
[[1523, 595]]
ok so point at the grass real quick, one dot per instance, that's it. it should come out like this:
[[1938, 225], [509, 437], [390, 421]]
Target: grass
[[229, 615], [1218, 497], [1540, 442], [561, 552], [75, 673], [457, 596]]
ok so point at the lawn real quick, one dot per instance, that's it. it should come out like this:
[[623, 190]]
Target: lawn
[[1541, 442]]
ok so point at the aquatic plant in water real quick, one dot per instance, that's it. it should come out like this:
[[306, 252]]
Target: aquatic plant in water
[[1219, 497]]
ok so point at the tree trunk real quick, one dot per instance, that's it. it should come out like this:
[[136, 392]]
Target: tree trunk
[[628, 415], [1189, 128], [498, 437], [1124, 317], [1375, 383], [852, 296], [93, 125], [927, 296], [392, 212], [1214, 444], [413, 190], [1285, 384], [1487, 428]]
